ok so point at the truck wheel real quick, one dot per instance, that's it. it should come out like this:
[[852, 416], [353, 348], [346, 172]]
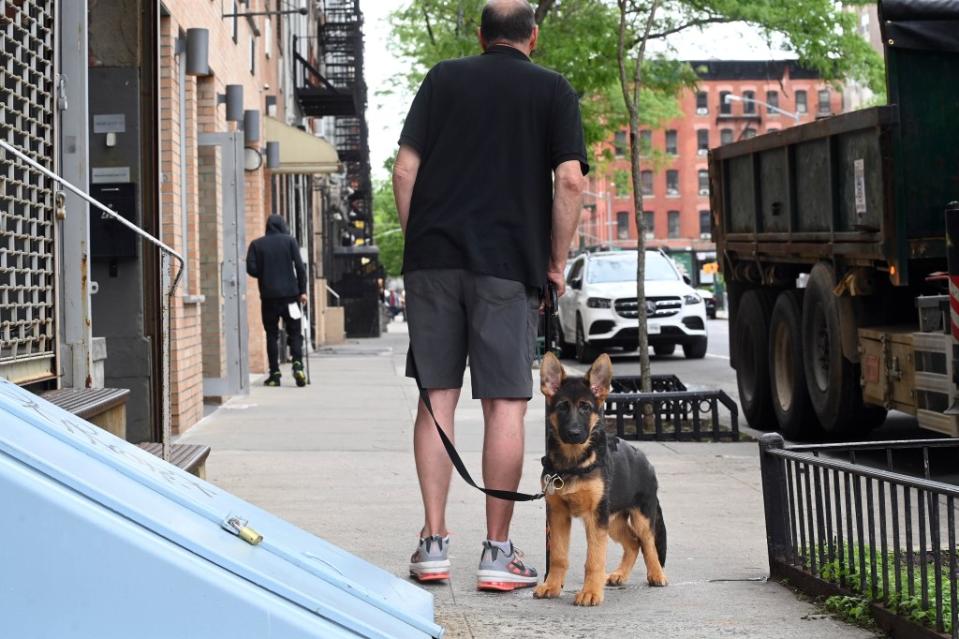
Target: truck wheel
[[696, 349], [585, 354], [751, 339], [832, 380], [662, 350], [787, 379]]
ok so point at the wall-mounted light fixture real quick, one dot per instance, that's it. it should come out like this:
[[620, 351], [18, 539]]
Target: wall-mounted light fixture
[[272, 155], [251, 127], [196, 46], [233, 99]]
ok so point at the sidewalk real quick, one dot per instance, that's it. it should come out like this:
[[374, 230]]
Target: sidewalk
[[336, 459]]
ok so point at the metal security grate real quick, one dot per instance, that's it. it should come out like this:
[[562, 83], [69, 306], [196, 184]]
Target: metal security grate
[[27, 265]]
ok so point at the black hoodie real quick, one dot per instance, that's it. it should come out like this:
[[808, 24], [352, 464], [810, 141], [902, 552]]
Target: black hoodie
[[274, 260]]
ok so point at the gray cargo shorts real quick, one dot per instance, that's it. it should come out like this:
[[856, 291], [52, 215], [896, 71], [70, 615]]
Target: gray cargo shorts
[[453, 313]]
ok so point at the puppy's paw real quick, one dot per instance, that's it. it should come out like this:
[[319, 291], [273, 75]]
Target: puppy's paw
[[547, 590], [657, 579], [589, 597], [617, 578]]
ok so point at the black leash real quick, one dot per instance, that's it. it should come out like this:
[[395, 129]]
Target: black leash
[[454, 456]]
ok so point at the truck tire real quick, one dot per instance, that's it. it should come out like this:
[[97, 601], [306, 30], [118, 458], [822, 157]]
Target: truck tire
[[751, 341], [832, 380], [790, 397]]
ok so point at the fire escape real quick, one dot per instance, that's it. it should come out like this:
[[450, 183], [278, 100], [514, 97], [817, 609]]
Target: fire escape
[[333, 86]]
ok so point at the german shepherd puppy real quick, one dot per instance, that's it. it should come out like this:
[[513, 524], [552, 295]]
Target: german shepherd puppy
[[606, 482]]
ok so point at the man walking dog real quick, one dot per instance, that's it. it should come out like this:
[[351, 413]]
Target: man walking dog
[[275, 261], [488, 183]]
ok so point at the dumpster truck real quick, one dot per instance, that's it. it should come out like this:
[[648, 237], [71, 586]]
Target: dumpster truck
[[834, 239]]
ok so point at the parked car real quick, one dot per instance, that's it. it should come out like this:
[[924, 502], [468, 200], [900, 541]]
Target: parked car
[[710, 301], [599, 311]]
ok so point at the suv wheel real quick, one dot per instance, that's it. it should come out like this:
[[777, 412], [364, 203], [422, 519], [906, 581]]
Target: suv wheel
[[695, 349], [566, 350], [585, 353], [662, 350]]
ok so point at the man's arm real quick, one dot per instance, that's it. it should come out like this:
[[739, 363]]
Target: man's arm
[[405, 168], [568, 187]]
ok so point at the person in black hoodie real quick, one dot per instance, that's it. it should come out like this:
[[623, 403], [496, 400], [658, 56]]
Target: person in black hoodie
[[274, 260]]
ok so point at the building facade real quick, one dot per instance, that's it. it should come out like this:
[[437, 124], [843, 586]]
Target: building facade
[[734, 100], [193, 120]]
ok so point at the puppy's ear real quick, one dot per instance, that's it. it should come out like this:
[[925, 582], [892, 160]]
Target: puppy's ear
[[551, 375], [599, 377]]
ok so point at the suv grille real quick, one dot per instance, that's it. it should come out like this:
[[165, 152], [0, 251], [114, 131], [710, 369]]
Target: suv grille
[[664, 307]]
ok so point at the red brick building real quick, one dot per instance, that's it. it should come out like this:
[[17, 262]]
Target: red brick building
[[676, 194]]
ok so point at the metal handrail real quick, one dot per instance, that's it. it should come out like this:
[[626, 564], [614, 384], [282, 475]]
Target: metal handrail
[[167, 432], [330, 290]]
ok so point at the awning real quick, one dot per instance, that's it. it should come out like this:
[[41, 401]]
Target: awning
[[301, 152]]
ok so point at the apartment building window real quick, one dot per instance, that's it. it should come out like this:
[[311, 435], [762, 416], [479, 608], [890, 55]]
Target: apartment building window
[[622, 225], [252, 55], [672, 142], [725, 136], [703, 182], [702, 141], [824, 107], [772, 99], [801, 103], [705, 225], [619, 143], [702, 103], [672, 224], [749, 102], [725, 108], [645, 142], [749, 133], [236, 22], [649, 222], [672, 182], [646, 182]]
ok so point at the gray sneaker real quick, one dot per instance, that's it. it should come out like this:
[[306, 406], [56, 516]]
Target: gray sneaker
[[503, 572], [431, 560]]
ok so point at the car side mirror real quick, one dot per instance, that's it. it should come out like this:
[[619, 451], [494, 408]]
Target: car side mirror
[[687, 280], [576, 284]]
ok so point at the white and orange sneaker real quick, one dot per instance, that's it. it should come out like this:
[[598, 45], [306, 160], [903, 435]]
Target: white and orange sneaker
[[501, 568], [431, 560]]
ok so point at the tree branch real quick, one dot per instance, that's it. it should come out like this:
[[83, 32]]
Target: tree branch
[[429, 27], [702, 22], [542, 9]]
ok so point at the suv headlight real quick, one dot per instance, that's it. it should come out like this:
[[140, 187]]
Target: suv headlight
[[598, 302], [692, 299]]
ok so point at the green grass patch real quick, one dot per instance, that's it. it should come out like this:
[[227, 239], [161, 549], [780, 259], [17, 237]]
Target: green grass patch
[[855, 608]]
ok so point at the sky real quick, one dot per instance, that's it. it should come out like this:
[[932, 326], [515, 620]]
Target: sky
[[386, 112]]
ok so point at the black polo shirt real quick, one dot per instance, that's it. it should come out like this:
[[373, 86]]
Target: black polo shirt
[[489, 129]]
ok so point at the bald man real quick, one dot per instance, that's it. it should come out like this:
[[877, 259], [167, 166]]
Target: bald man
[[488, 183]]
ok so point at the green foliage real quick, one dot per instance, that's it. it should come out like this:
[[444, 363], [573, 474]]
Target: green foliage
[[387, 233], [855, 606], [622, 181]]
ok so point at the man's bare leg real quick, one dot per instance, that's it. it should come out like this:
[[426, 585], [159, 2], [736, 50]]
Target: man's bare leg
[[433, 466], [503, 446]]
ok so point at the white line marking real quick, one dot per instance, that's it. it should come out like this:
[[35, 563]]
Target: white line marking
[[717, 356]]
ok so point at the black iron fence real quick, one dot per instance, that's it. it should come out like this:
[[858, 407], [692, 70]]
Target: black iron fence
[[669, 412], [872, 522]]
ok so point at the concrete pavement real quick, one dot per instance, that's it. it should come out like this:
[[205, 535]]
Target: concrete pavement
[[335, 458]]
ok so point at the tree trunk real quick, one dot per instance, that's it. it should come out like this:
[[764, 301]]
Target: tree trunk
[[631, 97]]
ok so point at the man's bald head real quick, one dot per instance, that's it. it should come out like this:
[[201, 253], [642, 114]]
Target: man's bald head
[[507, 20]]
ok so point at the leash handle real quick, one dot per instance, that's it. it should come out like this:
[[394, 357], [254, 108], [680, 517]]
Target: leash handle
[[454, 456]]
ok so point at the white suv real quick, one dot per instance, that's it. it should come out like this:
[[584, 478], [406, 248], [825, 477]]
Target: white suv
[[598, 311]]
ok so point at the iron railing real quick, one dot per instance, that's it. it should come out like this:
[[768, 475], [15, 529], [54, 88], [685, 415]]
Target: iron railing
[[867, 520], [165, 252], [670, 412]]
